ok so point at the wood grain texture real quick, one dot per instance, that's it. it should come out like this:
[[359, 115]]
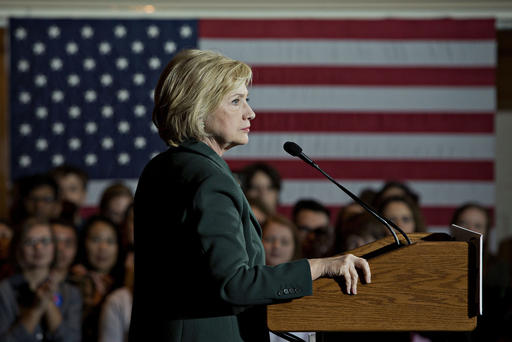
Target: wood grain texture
[[420, 287]]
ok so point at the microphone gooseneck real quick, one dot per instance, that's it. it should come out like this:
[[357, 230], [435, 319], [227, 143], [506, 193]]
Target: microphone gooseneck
[[296, 151]]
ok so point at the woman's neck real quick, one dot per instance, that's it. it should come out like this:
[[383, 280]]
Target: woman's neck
[[35, 276]]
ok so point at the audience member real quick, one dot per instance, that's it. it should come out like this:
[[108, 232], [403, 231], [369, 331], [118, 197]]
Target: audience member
[[402, 211], [37, 196], [316, 235], [344, 214], [359, 230], [263, 182], [5, 242], [393, 189], [35, 306], [114, 202], [259, 210], [72, 182], [66, 242], [281, 244], [100, 271], [127, 236], [116, 312], [280, 240]]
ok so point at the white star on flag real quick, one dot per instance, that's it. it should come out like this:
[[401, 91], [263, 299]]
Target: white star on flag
[[38, 48], [20, 33], [23, 65], [87, 32], [73, 80], [57, 159], [119, 31], [107, 111], [71, 48], [53, 32], [58, 128], [153, 31], [107, 143]]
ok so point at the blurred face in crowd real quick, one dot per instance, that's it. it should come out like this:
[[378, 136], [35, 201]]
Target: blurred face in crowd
[[401, 215], [5, 240], [101, 246], [128, 226], [393, 191], [117, 208], [261, 217], [315, 233], [66, 244], [278, 243], [72, 189], [41, 202], [262, 189], [37, 248], [474, 219]]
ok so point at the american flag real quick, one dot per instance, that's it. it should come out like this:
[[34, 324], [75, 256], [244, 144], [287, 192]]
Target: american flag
[[369, 100]]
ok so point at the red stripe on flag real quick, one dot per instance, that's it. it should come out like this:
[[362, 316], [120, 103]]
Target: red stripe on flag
[[363, 76], [399, 170], [398, 122], [433, 216], [440, 29]]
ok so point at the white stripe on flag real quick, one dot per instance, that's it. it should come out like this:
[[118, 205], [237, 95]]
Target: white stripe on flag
[[303, 98], [436, 193], [352, 52], [370, 146]]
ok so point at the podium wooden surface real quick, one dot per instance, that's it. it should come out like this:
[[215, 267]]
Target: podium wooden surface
[[425, 286]]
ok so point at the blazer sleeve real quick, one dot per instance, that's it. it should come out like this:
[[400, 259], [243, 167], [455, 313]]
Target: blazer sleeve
[[217, 208]]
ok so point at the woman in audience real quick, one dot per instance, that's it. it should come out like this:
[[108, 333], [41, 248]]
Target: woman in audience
[[100, 272], [281, 244], [259, 210], [280, 240], [395, 189], [358, 230], [5, 242], [403, 212], [116, 312], [114, 202], [34, 305], [263, 182]]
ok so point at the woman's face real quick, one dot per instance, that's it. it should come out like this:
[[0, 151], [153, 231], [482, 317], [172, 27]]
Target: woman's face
[[401, 215], [278, 243], [37, 248], [101, 247], [117, 208], [474, 219], [229, 124], [261, 188], [5, 240]]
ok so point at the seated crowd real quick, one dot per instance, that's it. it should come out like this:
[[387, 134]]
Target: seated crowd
[[66, 272]]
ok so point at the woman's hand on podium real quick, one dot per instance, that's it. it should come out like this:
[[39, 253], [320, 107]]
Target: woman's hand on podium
[[345, 266]]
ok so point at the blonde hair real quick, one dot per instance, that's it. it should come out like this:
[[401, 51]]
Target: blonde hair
[[190, 88]]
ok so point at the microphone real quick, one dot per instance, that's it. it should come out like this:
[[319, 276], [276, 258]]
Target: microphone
[[296, 151]]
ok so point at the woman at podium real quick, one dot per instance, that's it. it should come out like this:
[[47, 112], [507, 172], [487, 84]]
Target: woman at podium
[[200, 272]]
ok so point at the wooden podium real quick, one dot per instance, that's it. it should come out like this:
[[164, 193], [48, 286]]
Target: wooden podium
[[426, 286]]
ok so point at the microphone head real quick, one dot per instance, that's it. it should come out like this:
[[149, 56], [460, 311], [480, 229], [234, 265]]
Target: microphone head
[[292, 148]]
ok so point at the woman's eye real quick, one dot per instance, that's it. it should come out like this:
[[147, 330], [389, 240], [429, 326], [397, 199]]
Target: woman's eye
[[247, 99], [235, 101]]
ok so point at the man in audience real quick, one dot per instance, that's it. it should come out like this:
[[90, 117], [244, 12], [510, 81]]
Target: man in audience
[[316, 235]]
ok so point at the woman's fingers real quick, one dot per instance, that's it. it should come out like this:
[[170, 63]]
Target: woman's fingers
[[355, 277], [363, 265]]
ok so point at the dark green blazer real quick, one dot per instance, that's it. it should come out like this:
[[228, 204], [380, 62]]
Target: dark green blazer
[[200, 271]]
